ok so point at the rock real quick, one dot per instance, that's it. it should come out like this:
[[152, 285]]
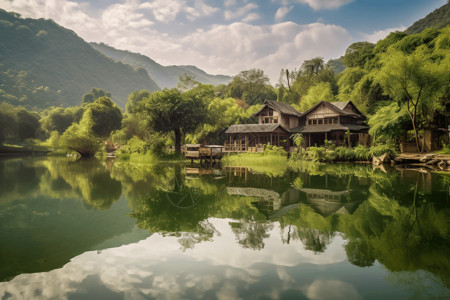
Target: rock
[[442, 165], [427, 157], [376, 161], [385, 158], [448, 162], [392, 163], [398, 160], [433, 162]]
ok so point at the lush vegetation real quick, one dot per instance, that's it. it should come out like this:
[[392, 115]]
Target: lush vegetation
[[401, 83], [439, 18], [43, 65]]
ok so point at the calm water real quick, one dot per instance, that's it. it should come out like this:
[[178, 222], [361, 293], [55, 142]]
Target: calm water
[[96, 230]]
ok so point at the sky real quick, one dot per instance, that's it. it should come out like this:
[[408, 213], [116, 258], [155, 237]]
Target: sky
[[226, 37]]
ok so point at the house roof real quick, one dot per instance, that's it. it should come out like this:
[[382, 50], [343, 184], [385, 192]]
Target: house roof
[[249, 128], [328, 128], [338, 107], [282, 107]]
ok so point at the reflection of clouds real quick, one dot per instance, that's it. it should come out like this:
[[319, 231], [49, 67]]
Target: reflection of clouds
[[156, 268], [331, 289]]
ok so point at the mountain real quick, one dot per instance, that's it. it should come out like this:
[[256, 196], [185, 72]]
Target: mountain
[[439, 18], [337, 65], [43, 64], [164, 76]]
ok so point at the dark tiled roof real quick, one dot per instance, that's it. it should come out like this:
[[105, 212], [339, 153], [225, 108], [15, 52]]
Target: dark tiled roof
[[328, 128], [282, 107], [248, 128]]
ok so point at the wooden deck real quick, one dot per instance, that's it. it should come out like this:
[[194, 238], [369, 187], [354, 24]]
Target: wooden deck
[[208, 153]]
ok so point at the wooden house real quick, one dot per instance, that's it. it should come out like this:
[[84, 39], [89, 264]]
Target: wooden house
[[278, 121], [330, 121], [275, 119]]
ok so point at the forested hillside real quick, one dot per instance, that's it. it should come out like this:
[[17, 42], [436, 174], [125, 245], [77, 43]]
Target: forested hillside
[[43, 64], [164, 76], [439, 18]]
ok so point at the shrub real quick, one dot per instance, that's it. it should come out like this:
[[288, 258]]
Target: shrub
[[274, 150]]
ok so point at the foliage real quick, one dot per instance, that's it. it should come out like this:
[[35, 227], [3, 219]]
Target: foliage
[[439, 18], [168, 111], [415, 82], [80, 140], [389, 123], [252, 86], [93, 95], [319, 92], [274, 150], [17, 123], [357, 54], [101, 117], [44, 64]]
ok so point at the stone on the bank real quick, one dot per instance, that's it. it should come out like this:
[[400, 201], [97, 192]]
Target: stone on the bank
[[376, 161], [427, 157], [398, 160], [442, 165], [433, 162], [385, 158]]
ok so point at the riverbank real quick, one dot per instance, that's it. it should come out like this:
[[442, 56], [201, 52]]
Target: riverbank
[[12, 150]]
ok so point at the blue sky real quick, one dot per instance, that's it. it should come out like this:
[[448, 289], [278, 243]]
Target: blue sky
[[225, 37]]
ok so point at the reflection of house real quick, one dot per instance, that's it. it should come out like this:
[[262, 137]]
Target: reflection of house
[[277, 121], [330, 121], [326, 202], [268, 200]]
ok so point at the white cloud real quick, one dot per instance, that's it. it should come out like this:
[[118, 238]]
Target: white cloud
[[200, 9], [164, 10], [282, 12], [219, 49], [251, 17], [229, 3], [381, 34], [318, 4], [235, 14]]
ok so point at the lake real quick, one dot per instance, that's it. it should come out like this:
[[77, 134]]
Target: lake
[[107, 230]]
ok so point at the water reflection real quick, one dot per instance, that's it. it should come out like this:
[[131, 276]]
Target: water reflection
[[228, 221]]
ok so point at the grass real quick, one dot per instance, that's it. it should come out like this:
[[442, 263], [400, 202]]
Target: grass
[[273, 165]]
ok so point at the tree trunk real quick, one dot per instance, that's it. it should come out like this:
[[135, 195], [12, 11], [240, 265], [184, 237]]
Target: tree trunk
[[177, 133]]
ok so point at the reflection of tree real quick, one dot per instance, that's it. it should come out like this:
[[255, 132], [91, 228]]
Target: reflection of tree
[[315, 240], [177, 209], [251, 233], [88, 178]]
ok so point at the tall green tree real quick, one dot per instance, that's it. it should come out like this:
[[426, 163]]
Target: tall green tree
[[320, 92], [102, 117], [94, 94], [252, 86], [414, 81], [168, 111]]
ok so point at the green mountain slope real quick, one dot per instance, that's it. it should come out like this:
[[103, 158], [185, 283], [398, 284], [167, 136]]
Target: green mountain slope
[[43, 64], [439, 18], [164, 76]]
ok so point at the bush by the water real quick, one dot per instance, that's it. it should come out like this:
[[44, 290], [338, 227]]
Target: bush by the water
[[358, 153]]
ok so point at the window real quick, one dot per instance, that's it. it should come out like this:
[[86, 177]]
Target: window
[[314, 122], [335, 120], [320, 122]]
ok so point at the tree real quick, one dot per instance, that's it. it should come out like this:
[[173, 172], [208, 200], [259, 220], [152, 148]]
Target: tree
[[357, 54], [80, 140], [94, 94], [413, 81], [102, 117], [133, 100], [57, 119], [319, 92], [299, 140], [253, 86], [168, 111], [186, 83]]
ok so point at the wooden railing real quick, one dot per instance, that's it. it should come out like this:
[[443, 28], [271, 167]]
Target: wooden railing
[[243, 148]]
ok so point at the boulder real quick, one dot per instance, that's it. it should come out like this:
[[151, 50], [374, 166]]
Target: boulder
[[442, 165], [376, 161], [433, 162], [385, 158], [398, 160], [427, 157]]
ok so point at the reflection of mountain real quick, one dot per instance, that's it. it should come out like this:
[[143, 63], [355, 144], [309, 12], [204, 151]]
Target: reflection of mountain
[[326, 202], [47, 216]]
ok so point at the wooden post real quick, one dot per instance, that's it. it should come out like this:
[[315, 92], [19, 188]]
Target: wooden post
[[309, 140]]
